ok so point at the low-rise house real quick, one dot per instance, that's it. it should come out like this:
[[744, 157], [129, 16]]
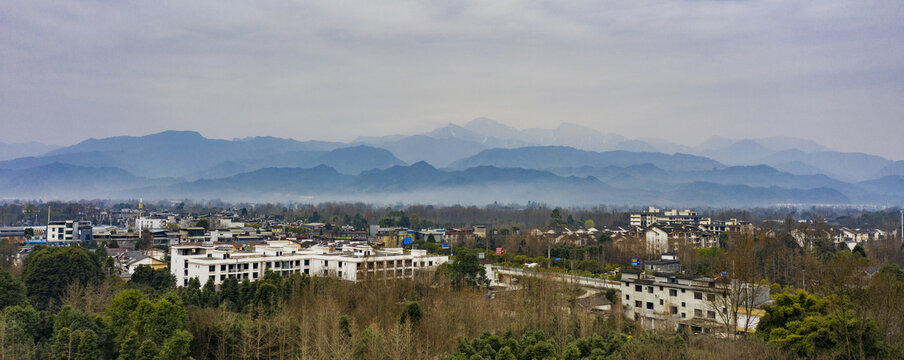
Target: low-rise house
[[143, 260]]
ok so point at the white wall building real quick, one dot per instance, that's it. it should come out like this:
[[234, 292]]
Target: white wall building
[[146, 223], [657, 240], [69, 231], [667, 300], [352, 263]]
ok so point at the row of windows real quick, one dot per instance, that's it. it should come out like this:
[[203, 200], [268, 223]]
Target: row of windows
[[674, 292]]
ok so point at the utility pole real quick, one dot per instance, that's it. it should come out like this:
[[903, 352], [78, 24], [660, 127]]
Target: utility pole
[[902, 223], [548, 254]]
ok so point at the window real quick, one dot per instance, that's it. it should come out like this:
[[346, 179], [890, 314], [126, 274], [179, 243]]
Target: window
[[698, 296], [638, 303], [683, 304], [307, 262], [682, 291], [650, 289], [673, 292], [711, 314], [212, 277], [638, 288], [684, 315], [211, 268], [627, 297], [340, 264], [255, 265], [698, 313], [660, 288], [277, 264], [307, 271], [711, 297], [674, 310], [222, 267], [254, 275], [222, 277], [649, 305], [660, 302]]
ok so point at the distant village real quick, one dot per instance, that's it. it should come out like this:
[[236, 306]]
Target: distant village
[[144, 238], [218, 246]]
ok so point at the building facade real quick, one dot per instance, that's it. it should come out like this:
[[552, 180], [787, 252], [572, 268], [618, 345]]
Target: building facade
[[69, 231], [219, 262], [667, 300]]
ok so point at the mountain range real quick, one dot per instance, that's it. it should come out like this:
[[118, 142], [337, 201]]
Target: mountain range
[[482, 161]]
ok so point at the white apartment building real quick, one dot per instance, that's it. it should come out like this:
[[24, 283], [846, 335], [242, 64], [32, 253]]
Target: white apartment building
[[352, 263], [666, 300], [671, 217], [146, 223], [69, 231]]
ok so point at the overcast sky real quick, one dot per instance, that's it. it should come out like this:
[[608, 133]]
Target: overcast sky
[[831, 71]]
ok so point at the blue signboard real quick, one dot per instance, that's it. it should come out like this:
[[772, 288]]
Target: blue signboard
[[445, 246], [406, 240], [635, 262], [557, 259]]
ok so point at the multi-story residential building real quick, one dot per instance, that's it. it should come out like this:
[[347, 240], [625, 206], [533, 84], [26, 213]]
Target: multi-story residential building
[[146, 223], [662, 238], [68, 232], [666, 300], [671, 217], [358, 262]]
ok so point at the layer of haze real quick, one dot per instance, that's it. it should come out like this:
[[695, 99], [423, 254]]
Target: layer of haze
[[831, 71]]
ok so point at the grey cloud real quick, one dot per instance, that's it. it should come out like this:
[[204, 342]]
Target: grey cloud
[[832, 71]]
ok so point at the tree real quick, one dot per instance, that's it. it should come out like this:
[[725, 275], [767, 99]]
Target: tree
[[859, 250], [345, 326], [145, 241], [203, 223], [12, 290], [589, 224], [49, 271], [230, 297], [147, 277], [466, 269], [555, 217], [412, 313], [148, 329], [209, 295]]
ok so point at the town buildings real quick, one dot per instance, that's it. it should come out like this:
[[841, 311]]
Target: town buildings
[[355, 262]]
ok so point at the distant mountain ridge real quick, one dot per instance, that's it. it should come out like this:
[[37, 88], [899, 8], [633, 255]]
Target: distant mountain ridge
[[18, 150], [546, 157], [478, 161], [188, 154]]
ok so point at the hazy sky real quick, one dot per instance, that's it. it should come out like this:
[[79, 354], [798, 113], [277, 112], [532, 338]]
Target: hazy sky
[[832, 71]]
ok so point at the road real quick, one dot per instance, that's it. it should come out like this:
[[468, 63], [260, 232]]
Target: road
[[494, 271]]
